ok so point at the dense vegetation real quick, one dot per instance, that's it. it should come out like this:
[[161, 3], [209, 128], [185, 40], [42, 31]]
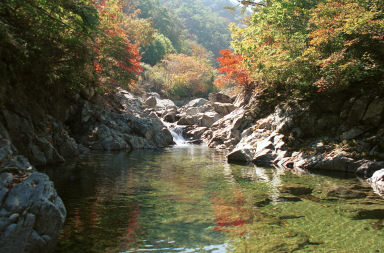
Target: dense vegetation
[[310, 44], [50, 48]]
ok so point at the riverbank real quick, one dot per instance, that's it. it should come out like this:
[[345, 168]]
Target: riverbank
[[339, 132], [336, 132], [37, 133]]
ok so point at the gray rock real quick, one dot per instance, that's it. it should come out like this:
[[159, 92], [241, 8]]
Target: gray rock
[[171, 117], [374, 113], [264, 157], [352, 133], [208, 118], [377, 180], [151, 101], [367, 168], [219, 97], [31, 216], [357, 111], [223, 108], [87, 92], [242, 155], [188, 120], [197, 102]]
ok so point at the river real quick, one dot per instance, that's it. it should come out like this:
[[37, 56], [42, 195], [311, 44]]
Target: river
[[189, 199]]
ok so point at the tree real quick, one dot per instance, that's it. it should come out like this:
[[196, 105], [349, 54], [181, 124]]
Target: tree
[[235, 72], [159, 47]]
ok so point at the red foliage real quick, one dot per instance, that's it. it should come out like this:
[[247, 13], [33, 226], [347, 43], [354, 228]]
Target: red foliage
[[232, 66]]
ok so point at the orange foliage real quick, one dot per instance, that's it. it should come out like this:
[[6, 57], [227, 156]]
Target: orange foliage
[[235, 72], [117, 58]]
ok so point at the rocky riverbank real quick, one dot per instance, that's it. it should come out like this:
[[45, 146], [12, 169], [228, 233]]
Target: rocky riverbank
[[338, 133], [342, 132], [31, 212]]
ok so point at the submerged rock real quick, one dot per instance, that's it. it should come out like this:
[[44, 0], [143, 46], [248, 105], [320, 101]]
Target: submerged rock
[[296, 189]]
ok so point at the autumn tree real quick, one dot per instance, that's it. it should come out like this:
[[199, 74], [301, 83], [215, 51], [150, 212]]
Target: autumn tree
[[312, 44], [181, 76], [234, 71]]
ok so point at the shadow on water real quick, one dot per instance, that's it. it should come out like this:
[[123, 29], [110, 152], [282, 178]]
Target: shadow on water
[[188, 199]]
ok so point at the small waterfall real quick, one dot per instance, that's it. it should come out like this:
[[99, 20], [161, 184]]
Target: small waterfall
[[177, 133]]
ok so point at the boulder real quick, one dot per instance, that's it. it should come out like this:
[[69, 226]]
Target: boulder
[[223, 108], [188, 120], [31, 212], [358, 110], [219, 97], [151, 101], [122, 131], [207, 119], [264, 157], [241, 155], [87, 92], [377, 180], [374, 113], [352, 133], [197, 102], [171, 117]]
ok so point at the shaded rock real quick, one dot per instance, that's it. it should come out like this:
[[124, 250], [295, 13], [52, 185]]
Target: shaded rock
[[242, 156], [367, 168], [171, 117], [87, 92], [122, 131], [219, 97], [326, 123], [264, 157], [31, 213], [374, 113], [188, 120], [151, 101], [223, 108], [352, 133], [296, 189], [336, 163], [357, 111]]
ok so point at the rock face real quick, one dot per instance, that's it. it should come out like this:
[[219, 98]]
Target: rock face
[[31, 212], [315, 134], [101, 130]]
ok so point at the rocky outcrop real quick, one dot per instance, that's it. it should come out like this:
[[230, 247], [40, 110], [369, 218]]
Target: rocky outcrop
[[326, 133], [101, 130], [31, 212]]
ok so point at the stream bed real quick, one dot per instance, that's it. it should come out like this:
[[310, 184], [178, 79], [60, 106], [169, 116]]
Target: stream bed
[[189, 199]]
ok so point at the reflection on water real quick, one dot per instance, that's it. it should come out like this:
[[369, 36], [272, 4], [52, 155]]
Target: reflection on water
[[188, 199]]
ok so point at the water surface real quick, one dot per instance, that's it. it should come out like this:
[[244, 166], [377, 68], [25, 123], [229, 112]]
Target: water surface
[[188, 199]]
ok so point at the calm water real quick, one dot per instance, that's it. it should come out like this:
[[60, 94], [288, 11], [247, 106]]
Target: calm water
[[188, 199]]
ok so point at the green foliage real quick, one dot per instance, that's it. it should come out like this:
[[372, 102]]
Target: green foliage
[[48, 41], [328, 44], [202, 24], [159, 47], [163, 20], [48, 48], [181, 76]]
